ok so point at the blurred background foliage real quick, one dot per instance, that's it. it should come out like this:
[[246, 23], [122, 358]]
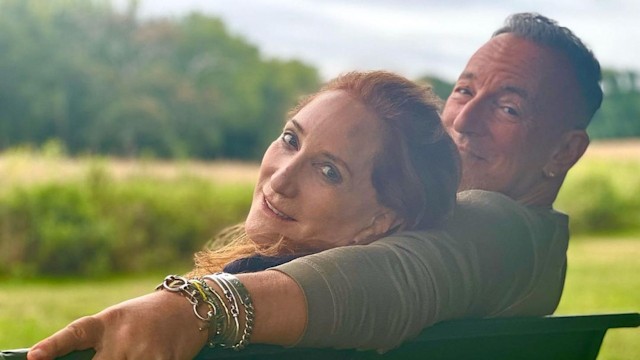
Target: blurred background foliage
[[95, 225], [83, 79], [88, 89], [103, 80]]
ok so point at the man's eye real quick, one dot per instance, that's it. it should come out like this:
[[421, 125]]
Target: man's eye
[[462, 91], [290, 139], [331, 173], [510, 111]]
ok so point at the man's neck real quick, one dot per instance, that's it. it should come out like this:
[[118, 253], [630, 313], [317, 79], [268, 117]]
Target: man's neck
[[542, 195]]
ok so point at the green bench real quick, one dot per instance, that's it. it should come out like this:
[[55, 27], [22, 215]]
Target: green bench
[[550, 337]]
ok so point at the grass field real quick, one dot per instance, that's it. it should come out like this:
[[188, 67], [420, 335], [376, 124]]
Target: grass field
[[25, 168], [602, 278]]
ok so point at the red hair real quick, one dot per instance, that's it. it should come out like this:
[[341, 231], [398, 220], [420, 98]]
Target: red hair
[[416, 174]]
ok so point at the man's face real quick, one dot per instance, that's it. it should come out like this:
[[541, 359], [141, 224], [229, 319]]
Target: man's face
[[507, 113]]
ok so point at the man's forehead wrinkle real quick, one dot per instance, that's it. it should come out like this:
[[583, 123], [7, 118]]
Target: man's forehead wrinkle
[[510, 86], [523, 93]]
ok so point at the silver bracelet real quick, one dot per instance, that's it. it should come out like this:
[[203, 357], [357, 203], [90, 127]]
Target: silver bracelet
[[236, 292], [184, 287], [224, 311], [245, 300]]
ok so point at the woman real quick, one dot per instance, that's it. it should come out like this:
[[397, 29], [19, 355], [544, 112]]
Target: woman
[[363, 157]]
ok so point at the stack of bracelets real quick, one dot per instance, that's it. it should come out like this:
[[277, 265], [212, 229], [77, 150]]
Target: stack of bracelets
[[222, 311]]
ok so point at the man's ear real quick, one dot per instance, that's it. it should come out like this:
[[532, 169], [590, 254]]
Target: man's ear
[[380, 225], [571, 148]]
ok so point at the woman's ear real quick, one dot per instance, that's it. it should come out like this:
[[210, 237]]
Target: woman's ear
[[571, 148], [380, 225]]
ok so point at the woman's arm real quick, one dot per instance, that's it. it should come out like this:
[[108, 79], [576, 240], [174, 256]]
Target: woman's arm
[[374, 296], [161, 325]]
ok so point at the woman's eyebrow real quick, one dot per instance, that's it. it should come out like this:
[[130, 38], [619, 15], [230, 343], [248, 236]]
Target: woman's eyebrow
[[326, 154], [338, 161], [297, 125]]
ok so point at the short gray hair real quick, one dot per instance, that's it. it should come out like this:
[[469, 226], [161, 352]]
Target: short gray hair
[[546, 32]]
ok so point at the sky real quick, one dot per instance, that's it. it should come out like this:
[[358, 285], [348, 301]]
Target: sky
[[411, 37]]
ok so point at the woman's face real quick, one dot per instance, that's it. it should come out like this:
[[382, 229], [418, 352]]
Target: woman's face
[[315, 185]]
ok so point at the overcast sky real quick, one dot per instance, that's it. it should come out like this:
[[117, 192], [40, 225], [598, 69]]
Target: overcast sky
[[412, 37]]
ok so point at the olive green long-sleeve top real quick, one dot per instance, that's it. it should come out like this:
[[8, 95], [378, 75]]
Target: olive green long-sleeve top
[[493, 258]]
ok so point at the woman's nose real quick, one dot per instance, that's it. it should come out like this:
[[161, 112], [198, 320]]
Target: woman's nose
[[284, 180]]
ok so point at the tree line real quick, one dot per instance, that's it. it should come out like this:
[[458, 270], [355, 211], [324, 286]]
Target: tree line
[[103, 80]]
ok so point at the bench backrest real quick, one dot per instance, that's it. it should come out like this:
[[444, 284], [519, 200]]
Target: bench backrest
[[550, 337]]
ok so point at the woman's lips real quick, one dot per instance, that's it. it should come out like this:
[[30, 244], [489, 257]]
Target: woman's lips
[[275, 211]]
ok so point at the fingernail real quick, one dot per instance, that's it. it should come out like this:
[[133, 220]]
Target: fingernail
[[36, 354]]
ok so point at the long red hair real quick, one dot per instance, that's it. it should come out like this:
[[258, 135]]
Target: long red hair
[[416, 174]]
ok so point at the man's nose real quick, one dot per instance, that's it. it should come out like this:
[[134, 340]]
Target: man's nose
[[472, 118], [284, 180]]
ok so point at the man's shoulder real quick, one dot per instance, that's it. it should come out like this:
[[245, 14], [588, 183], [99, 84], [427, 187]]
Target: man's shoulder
[[490, 215], [475, 210], [485, 200], [481, 208], [493, 205]]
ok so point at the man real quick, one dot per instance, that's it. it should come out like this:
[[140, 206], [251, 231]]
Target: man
[[518, 114]]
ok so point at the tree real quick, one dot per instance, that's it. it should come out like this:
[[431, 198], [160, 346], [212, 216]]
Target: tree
[[441, 87], [107, 81], [619, 115]]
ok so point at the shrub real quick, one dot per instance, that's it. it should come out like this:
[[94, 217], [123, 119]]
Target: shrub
[[600, 197], [97, 226]]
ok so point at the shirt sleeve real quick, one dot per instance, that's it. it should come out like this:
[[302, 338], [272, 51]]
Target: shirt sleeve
[[376, 296]]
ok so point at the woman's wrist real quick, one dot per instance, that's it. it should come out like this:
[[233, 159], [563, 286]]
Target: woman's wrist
[[221, 304]]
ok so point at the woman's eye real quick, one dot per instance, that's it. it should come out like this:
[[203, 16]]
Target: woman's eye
[[290, 139], [331, 173]]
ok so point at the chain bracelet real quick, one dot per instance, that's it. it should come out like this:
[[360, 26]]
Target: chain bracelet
[[245, 300], [232, 333], [222, 317], [185, 287], [225, 315]]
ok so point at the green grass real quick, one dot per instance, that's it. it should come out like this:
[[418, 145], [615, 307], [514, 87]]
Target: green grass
[[602, 278], [30, 311], [604, 270]]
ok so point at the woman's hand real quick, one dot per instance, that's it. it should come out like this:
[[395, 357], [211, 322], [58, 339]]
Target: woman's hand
[[160, 325]]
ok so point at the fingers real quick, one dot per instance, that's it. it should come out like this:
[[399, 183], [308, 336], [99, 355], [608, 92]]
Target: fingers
[[81, 334]]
